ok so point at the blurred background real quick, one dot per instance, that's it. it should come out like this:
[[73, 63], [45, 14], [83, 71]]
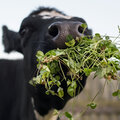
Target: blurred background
[[103, 17]]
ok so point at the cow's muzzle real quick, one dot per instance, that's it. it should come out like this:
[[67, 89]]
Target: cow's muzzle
[[60, 30]]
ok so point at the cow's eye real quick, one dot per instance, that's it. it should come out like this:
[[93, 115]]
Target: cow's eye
[[24, 31]]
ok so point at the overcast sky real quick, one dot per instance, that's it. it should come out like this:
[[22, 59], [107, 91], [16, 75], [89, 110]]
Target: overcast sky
[[103, 16]]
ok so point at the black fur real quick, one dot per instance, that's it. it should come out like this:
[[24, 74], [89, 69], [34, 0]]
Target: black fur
[[11, 40], [14, 103]]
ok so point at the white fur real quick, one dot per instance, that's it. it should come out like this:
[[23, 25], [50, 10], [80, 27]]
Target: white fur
[[51, 14], [11, 56]]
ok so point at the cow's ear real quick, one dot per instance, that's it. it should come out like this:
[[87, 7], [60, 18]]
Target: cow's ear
[[11, 40]]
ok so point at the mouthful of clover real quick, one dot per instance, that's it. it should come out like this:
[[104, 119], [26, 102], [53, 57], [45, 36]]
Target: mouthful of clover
[[82, 56]]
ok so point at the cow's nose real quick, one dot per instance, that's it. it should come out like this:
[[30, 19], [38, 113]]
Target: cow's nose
[[60, 30]]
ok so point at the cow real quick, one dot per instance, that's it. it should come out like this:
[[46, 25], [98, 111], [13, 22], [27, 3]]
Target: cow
[[44, 29]]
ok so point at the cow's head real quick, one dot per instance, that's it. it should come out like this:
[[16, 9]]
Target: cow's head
[[44, 29]]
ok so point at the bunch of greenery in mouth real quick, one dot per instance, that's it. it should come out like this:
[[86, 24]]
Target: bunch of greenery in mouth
[[82, 56]]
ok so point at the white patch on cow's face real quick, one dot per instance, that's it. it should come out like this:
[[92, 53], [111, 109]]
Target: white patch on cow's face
[[51, 14]]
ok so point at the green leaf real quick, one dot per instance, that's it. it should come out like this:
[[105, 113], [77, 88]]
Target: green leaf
[[87, 71], [58, 83], [59, 52], [69, 38], [55, 112], [97, 37], [51, 53], [60, 92], [50, 83], [74, 84], [72, 88], [101, 72], [40, 53], [107, 37], [45, 67], [68, 115], [45, 72], [92, 105], [70, 43], [68, 82], [54, 67], [70, 91], [47, 92], [52, 92], [72, 63], [84, 25], [117, 55], [36, 80], [57, 77], [116, 93]]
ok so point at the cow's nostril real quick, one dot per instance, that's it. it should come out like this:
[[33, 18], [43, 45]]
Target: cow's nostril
[[80, 29], [53, 30]]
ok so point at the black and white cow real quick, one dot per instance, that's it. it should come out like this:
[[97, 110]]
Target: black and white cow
[[44, 29]]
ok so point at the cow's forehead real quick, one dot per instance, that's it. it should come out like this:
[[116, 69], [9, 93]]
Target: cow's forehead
[[51, 14]]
